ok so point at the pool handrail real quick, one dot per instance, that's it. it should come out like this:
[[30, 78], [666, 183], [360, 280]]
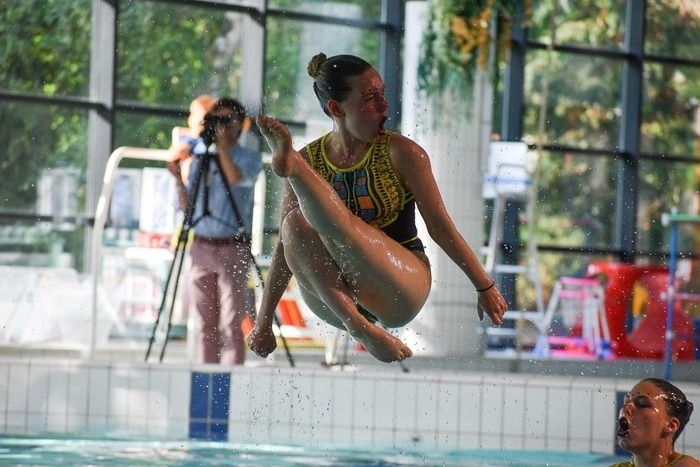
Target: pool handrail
[[101, 212]]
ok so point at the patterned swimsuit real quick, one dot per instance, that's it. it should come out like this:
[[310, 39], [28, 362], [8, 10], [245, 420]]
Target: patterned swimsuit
[[372, 190], [673, 462]]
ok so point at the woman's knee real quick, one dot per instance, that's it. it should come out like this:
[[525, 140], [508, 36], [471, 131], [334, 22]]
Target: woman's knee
[[295, 228]]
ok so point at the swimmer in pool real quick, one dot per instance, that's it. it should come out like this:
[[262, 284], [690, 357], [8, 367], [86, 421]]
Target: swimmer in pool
[[651, 420], [348, 231]]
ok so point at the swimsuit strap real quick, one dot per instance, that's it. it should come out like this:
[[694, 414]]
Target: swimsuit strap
[[678, 457]]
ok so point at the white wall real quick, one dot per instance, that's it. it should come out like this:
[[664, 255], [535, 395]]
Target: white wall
[[457, 144]]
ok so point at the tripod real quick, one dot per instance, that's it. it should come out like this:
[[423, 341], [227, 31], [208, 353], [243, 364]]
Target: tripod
[[188, 223]]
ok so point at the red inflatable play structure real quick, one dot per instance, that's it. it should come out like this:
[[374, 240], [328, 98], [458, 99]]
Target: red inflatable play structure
[[648, 337]]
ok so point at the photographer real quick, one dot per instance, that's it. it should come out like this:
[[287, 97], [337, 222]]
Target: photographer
[[219, 253], [180, 160]]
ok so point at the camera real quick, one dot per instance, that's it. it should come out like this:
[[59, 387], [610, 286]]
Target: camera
[[210, 123]]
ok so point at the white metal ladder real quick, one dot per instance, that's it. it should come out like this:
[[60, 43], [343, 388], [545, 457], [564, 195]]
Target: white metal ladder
[[509, 178]]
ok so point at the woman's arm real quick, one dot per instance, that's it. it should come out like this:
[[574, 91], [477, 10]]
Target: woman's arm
[[413, 167]]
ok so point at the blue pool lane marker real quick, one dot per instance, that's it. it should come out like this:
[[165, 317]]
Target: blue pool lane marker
[[209, 404]]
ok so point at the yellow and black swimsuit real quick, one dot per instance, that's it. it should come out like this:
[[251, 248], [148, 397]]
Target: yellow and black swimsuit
[[673, 462], [372, 190]]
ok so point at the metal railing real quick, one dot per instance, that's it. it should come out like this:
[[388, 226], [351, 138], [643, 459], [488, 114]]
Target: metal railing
[[101, 214]]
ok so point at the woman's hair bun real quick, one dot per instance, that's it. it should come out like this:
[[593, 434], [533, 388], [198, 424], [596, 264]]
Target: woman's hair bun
[[314, 65]]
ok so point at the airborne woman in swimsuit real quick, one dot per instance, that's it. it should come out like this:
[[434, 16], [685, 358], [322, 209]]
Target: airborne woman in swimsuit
[[347, 229]]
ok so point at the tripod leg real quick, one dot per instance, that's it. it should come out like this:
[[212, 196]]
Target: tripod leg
[[172, 302], [179, 252]]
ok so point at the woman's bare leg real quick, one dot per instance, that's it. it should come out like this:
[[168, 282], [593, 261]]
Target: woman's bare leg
[[326, 292], [389, 280]]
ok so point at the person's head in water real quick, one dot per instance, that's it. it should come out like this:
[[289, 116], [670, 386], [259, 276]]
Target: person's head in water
[[654, 413], [349, 88]]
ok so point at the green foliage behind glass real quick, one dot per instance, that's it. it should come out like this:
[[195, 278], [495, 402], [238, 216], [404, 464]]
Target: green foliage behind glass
[[45, 46], [181, 60], [449, 59]]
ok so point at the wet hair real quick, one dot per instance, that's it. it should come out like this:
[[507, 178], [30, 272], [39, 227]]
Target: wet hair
[[677, 405], [331, 76]]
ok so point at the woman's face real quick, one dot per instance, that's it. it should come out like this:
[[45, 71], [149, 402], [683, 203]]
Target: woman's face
[[365, 108], [643, 418]]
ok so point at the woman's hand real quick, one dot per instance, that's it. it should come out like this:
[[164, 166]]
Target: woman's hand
[[493, 304], [261, 340]]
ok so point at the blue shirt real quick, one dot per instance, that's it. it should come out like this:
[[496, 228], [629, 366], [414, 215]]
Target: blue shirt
[[221, 221]]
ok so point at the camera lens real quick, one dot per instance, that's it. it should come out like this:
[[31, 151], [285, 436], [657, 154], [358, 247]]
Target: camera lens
[[211, 123], [223, 119]]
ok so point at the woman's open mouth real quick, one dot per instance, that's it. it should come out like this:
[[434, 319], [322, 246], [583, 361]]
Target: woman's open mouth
[[381, 124], [623, 427]]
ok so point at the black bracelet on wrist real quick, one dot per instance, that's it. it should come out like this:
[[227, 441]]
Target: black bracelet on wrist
[[493, 283]]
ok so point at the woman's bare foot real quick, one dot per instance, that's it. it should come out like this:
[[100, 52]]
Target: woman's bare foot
[[382, 345], [277, 136]]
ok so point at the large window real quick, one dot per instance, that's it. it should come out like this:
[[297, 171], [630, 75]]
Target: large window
[[576, 84], [46, 47], [609, 102], [191, 50], [83, 77], [43, 163], [581, 109]]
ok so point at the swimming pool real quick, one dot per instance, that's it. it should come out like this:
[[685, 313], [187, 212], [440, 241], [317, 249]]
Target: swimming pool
[[24, 451], [201, 415]]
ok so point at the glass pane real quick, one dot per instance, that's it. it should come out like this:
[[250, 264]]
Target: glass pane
[[581, 108], [670, 110], [43, 162], [672, 28], [144, 131], [191, 51], [355, 9], [663, 188], [596, 23], [46, 47], [575, 200], [290, 45], [43, 159], [552, 266], [41, 244]]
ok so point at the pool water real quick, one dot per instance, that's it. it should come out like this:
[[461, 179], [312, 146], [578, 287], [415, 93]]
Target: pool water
[[93, 452]]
